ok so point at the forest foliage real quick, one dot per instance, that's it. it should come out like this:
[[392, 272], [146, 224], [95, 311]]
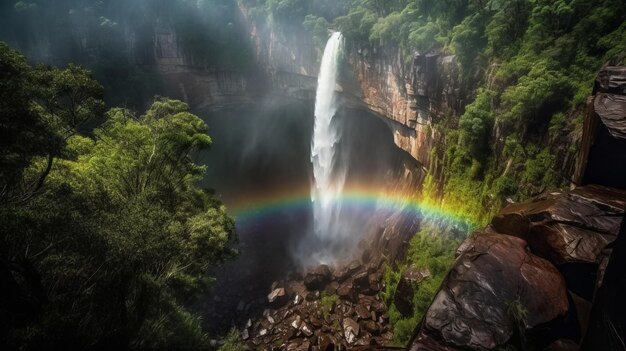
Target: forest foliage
[[106, 237], [432, 248]]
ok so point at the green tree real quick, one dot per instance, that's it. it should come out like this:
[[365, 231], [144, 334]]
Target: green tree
[[41, 107], [120, 238], [468, 39], [476, 123]]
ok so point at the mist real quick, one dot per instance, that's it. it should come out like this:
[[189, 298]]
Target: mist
[[263, 151], [121, 41]]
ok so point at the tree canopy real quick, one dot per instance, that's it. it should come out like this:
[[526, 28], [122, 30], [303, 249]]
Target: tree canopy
[[117, 240]]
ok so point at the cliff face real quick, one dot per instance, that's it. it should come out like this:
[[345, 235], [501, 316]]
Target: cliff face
[[408, 97], [287, 60], [547, 269], [604, 131]]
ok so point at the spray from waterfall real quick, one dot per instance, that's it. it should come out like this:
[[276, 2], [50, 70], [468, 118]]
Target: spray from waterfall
[[329, 174]]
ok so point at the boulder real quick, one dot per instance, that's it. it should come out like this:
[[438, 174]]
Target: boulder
[[611, 109], [371, 327], [317, 278], [346, 291], [299, 346], [572, 227], [361, 282], [344, 272], [296, 322], [362, 312], [317, 322], [306, 329], [375, 280], [277, 297], [611, 79], [351, 330], [407, 286], [493, 275], [325, 343], [364, 339]]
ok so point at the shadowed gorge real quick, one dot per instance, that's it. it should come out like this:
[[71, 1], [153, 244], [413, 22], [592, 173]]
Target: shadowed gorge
[[265, 158], [312, 175]]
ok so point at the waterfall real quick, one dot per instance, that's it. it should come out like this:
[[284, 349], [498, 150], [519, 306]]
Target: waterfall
[[329, 175]]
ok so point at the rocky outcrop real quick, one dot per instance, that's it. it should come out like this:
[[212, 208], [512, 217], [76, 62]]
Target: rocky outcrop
[[510, 279], [407, 286], [326, 310], [544, 273], [601, 159], [494, 275], [567, 227]]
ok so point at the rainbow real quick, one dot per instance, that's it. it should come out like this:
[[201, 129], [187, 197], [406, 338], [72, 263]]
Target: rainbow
[[268, 204]]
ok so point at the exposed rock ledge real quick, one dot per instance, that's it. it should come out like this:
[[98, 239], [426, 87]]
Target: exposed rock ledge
[[510, 279], [538, 274]]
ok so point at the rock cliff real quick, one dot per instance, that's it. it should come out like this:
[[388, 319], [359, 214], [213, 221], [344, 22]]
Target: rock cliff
[[407, 96], [542, 274], [524, 275]]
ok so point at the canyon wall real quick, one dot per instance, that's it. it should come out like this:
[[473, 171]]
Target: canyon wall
[[420, 97], [549, 257], [407, 96]]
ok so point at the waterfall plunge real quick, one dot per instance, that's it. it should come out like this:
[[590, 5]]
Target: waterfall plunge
[[329, 175]]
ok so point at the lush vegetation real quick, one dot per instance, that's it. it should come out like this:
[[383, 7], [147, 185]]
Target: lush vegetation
[[232, 342], [327, 303], [433, 247], [105, 236], [115, 39], [526, 67]]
